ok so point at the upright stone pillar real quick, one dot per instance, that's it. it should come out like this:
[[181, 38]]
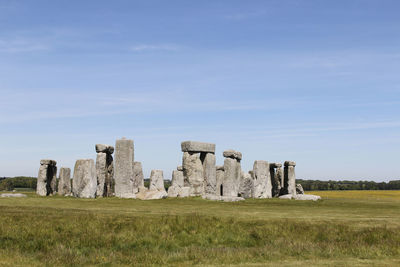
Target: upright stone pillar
[[246, 185], [84, 184], [64, 183], [290, 178], [138, 181], [123, 169], [210, 174], [177, 184], [232, 173], [262, 179], [220, 180], [104, 170], [199, 167], [280, 177], [275, 179], [47, 178]]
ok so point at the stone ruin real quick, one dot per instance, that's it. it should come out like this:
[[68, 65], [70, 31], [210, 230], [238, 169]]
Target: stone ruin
[[47, 178], [197, 176]]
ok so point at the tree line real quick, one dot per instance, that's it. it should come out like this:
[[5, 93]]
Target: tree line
[[316, 185], [9, 184]]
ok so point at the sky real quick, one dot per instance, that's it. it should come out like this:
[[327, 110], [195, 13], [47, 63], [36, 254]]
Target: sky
[[316, 82]]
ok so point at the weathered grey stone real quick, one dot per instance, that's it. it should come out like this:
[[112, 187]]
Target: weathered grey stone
[[101, 148], [232, 173], [301, 197], [104, 172], [307, 197], [138, 181], [287, 196], [280, 177], [64, 183], [210, 174], [299, 189], [220, 182], [13, 195], [220, 168], [233, 154], [193, 173], [84, 183], [47, 178], [177, 178], [48, 162], [146, 194], [192, 146], [123, 169], [289, 178], [222, 198], [179, 168], [262, 180], [173, 191], [184, 192], [157, 180], [275, 179], [246, 185]]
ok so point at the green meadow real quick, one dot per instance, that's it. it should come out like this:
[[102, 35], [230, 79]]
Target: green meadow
[[345, 228]]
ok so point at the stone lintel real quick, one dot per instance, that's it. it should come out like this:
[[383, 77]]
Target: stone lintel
[[232, 154], [193, 146], [290, 163]]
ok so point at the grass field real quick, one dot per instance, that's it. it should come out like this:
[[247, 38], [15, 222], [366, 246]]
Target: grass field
[[346, 228]]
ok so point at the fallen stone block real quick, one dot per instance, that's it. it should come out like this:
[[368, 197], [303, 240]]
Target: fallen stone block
[[13, 195], [307, 197]]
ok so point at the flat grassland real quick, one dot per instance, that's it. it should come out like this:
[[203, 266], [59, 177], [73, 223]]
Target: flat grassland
[[346, 228]]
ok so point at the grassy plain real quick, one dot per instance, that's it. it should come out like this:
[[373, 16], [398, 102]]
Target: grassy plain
[[346, 228]]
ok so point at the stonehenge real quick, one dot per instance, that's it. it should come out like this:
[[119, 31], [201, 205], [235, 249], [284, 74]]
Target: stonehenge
[[64, 182], [104, 170], [198, 175], [276, 178], [47, 178], [232, 173], [262, 180], [198, 164], [123, 168], [289, 186], [84, 184]]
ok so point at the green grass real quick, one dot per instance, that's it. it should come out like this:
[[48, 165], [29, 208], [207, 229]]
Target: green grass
[[339, 230]]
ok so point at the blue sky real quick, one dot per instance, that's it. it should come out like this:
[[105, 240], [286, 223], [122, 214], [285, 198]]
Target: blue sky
[[316, 82]]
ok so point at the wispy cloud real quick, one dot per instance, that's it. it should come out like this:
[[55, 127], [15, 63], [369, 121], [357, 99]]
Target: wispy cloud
[[154, 47], [21, 45]]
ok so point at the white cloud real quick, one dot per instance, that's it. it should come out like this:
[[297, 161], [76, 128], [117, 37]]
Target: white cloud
[[21, 45]]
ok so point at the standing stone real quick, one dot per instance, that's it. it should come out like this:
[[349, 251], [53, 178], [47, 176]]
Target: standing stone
[[175, 190], [138, 180], [220, 180], [85, 180], [262, 179], [210, 174], [104, 170], [123, 169], [290, 178], [157, 180], [279, 176], [299, 189], [275, 179], [193, 173], [47, 178], [64, 183], [232, 175], [246, 185]]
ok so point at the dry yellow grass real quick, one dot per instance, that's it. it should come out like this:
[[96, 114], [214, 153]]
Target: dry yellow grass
[[391, 195]]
